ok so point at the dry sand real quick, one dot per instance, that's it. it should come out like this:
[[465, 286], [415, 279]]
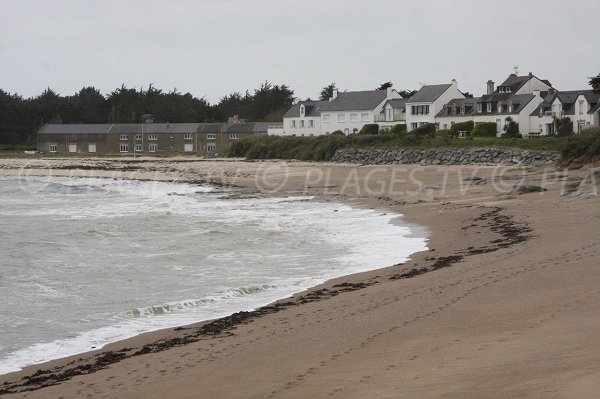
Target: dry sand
[[503, 305]]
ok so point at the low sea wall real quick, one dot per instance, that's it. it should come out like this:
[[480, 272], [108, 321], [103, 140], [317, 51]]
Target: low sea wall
[[446, 156]]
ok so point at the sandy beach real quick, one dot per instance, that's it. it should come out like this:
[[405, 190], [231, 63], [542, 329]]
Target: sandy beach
[[504, 304]]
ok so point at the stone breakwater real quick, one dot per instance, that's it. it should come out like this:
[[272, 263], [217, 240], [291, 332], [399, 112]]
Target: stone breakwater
[[446, 156]]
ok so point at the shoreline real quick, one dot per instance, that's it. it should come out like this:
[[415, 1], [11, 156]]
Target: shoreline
[[475, 225], [395, 219]]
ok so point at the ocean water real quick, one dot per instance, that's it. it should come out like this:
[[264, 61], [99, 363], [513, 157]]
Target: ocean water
[[85, 262]]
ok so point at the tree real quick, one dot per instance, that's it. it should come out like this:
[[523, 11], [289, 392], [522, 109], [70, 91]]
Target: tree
[[385, 86], [595, 83], [467, 94], [327, 92], [407, 93], [511, 128]]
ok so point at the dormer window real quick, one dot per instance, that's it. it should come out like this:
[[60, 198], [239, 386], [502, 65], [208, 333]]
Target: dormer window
[[479, 107], [445, 109], [454, 110], [462, 109], [489, 107], [302, 110], [580, 107], [510, 108], [541, 111]]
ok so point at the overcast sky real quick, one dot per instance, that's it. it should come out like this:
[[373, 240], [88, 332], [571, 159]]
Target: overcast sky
[[213, 47]]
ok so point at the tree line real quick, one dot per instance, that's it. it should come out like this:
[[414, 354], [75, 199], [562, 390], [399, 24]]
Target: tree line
[[20, 118]]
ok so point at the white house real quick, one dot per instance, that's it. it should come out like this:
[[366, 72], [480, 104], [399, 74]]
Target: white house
[[582, 107], [393, 113], [346, 111], [423, 106], [517, 97], [303, 119], [350, 111]]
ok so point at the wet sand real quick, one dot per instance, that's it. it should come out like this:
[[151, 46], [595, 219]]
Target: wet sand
[[503, 304]]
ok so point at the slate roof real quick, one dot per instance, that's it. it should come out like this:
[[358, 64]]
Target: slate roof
[[311, 108], [211, 127], [398, 103], [241, 128], [75, 128], [516, 82], [429, 93], [263, 127], [356, 101], [518, 102]]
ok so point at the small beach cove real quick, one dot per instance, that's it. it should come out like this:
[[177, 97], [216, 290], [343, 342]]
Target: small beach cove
[[392, 324]]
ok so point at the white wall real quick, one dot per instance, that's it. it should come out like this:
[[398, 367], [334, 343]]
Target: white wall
[[434, 107], [348, 125], [290, 130], [531, 85]]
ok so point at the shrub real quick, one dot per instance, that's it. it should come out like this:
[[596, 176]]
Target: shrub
[[369, 128], [399, 128], [427, 129], [484, 129], [462, 126], [511, 129], [587, 143], [337, 133]]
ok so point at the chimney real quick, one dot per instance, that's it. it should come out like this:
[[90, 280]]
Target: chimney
[[335, 94], [390, 92], [490, 87], [454, 83], [530, 75]]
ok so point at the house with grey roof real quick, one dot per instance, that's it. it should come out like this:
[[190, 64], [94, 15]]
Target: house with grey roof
[[425, 104], [302, 119], [393, 113], [350, 111], [345, 111], [147, 138], [515, 98], [582, 107]]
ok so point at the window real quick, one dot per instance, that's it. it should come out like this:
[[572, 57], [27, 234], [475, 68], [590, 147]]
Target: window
[[388, 114], [302, 123], [152, 147], [580, 107], [52, 147], [346, 131], [489, 107], [139, 148], [454, 110], [311, 123], [211, 147], [187, 136], [420, 109], [326, 118], [354, 131], [153, 136], [234, 136], [72, 147], [188, 147], [293, 124], [509, 108], [341, 118], [479, 107], [462, 109], [364, 117], [124, 148], [414, 126], [211, 136], [354, 117], [92, 147], [445, 126], [138, 137], [124, 137]]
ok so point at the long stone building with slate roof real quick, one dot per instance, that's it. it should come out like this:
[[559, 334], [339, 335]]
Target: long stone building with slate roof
[[147, 138]]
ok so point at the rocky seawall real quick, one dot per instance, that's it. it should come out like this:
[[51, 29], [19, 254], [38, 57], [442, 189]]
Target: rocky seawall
[[446, 156]]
